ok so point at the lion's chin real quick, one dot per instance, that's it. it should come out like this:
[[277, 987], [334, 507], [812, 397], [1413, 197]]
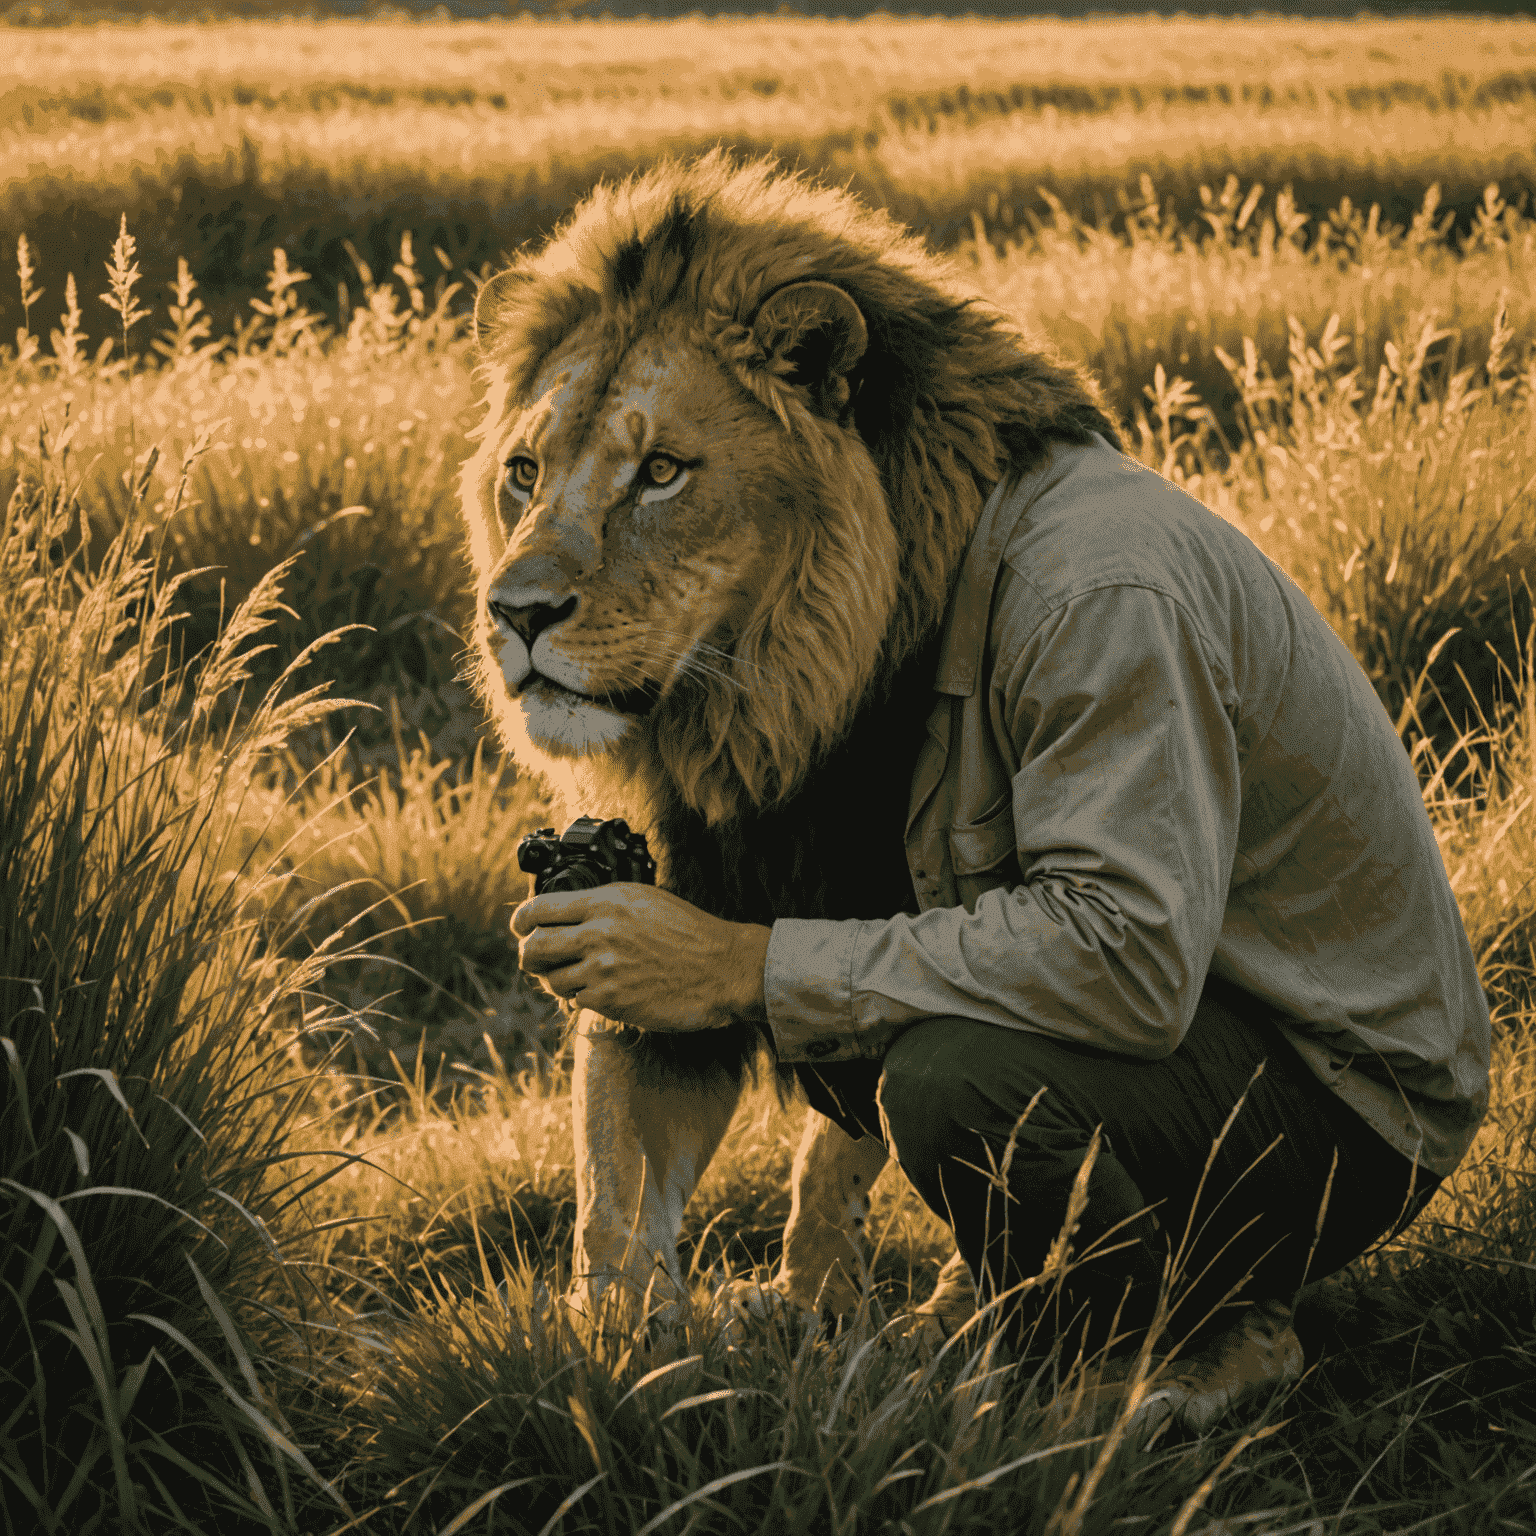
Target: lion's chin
[[566, 725]]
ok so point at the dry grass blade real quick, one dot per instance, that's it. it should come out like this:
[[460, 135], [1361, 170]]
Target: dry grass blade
[[656, 1375], [486, 1499], [986, 1479], [710, 1489], [569, 1503]]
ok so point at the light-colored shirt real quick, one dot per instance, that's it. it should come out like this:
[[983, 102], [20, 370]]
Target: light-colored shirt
[[1151, 758]]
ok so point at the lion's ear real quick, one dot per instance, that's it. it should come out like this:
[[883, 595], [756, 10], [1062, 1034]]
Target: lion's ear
[[813, 334], [495, 298]]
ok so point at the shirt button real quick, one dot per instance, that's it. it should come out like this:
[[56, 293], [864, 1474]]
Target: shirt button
[[820, 1048]]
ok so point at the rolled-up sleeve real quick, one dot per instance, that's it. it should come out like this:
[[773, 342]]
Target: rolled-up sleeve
[[1125, 809]]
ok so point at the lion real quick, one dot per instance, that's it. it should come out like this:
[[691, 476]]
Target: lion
[[739, 430]]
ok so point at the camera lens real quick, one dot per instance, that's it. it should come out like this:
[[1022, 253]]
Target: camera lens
[[574, 877]]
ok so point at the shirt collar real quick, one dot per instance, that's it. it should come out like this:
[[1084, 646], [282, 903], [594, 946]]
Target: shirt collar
[[970, 603]]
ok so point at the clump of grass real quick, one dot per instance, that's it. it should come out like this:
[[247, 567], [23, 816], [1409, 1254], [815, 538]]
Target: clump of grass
[[141, 1117], [799, 1430], [1404, 505]]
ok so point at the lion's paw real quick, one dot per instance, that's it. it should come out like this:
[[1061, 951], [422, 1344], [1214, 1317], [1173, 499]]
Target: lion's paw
[[948, 1310], [615, 1304], [740, 1302]]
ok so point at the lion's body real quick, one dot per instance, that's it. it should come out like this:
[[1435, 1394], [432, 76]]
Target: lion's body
[[739, 433]]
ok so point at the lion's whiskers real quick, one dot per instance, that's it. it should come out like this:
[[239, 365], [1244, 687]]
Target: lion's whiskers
[[691, 659], [649, 648], [742, 661]]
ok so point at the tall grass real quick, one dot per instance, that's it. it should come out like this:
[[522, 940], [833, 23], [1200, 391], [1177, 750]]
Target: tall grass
[[338, 450], [146, 1019], [1402, 504], [1250, 264], [342, 440]]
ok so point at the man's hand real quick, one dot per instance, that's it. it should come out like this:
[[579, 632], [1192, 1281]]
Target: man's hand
[[643, 957]]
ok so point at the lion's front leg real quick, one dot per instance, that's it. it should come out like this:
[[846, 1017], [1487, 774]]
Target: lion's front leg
[[823, 1268], [824, 1263], [640, 1150]]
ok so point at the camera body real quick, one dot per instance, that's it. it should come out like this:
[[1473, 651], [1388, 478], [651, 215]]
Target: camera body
[[590, 852]]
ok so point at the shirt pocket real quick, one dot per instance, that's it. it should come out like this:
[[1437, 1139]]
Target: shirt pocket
[[982, 847]]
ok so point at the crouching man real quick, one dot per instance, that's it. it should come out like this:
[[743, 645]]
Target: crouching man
[[1177, 900]]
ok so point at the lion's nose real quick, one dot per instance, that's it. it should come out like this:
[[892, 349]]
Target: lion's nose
[[532, 619]]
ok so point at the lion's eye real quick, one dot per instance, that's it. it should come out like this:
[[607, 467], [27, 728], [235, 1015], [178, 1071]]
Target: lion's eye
[[659, 469], [523, 472]]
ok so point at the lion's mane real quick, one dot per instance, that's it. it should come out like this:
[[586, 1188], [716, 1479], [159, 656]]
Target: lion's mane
[[948, 397]]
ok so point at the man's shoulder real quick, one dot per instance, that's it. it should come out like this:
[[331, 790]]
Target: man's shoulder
[[1093, 517]]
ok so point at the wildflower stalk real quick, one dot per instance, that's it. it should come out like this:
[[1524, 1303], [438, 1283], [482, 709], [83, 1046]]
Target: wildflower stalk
[[68, 344], [122, 274], [26, 342], [289, 318], [189, 325]]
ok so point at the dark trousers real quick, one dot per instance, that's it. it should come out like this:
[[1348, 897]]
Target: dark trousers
[[949, 1095]]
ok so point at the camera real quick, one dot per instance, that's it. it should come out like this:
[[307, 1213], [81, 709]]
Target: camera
[[590, 852]]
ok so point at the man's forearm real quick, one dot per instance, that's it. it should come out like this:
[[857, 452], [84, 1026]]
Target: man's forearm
[[1113, 974]]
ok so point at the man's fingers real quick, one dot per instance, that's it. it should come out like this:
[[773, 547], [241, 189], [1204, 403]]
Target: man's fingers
[[554, 909], [585, 982], [547, 949], [565, 981]]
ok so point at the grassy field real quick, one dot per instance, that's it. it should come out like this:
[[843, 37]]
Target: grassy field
[[287, 1155], [224, 140]]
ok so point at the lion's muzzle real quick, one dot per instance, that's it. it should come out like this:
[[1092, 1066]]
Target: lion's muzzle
[[531, 663]]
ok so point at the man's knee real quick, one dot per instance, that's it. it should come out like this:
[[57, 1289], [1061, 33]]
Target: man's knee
[[934, 1094], [916, 1080]]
